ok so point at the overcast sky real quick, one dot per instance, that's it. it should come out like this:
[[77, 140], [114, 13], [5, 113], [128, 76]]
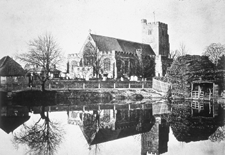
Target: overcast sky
[[195, 23]]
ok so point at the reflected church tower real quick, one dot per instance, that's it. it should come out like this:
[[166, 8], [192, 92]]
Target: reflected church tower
[[156, 140]]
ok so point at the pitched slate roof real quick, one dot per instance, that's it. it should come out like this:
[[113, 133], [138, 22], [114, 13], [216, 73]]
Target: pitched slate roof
[[9, 67], [109, 44], [10, 123], [105, 135]]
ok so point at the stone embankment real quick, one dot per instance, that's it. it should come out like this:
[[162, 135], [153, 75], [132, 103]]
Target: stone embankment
[[91, 96]]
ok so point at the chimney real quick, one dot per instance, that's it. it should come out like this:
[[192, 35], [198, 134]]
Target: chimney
[[144, 21]]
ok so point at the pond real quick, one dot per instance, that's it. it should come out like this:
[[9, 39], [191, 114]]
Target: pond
[[114, 128]]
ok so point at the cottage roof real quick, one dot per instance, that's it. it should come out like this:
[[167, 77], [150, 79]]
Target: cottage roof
[[9, 67], [10, 123], [109, 44]]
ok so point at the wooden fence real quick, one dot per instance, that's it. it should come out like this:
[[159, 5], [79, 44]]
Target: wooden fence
[[72, 84]]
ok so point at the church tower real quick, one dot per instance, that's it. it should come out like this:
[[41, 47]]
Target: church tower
[[156, 34]]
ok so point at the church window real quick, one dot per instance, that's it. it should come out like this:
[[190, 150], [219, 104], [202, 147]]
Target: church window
[[74, 63], [107, 64], [126, 66]]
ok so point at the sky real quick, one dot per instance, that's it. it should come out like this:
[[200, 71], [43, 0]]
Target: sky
[[194, 23]]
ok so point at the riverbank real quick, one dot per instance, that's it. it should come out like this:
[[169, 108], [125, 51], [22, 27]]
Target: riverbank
[[79, 96]]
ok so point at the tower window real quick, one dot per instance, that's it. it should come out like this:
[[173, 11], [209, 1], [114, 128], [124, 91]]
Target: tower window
[[149, 32], [107, 64]]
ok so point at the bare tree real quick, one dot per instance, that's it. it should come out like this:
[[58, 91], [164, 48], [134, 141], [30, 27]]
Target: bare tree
[[92, 58], [179, 52], [43, 53], [98, 65], [43, 137], [214, 51]]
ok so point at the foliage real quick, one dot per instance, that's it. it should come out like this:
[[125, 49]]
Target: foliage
[[148, 67], [43, 53], [214, 51], [187, 128], [221, 63], [188, 68], [43, 137], [219, 135]]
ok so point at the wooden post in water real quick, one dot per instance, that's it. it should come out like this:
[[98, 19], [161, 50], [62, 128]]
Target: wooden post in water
[[142, 106], [128, 110]]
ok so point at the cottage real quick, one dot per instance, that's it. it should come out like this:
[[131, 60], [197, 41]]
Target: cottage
[[10, 71], [203, 90]]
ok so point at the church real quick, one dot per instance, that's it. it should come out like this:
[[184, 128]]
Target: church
[[113, 58]]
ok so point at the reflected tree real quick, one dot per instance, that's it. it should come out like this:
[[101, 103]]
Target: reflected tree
[[43, 137], [187, 128], [95, 150]]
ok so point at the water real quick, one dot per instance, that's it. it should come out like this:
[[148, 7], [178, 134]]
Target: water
[[143, 127]]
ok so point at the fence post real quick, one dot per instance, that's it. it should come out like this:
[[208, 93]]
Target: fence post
[[114, 85], [99, 85], [83, 85], [129, 85], [142, 85]]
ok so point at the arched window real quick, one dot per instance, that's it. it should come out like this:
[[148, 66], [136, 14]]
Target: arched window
[[107, 64], [74, 63]]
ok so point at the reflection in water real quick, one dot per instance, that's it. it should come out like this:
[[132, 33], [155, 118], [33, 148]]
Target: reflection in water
[[195, 121], [189, 120], [99, 126], [42, 137], [12, 117], [155, 141], [110, 124]]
